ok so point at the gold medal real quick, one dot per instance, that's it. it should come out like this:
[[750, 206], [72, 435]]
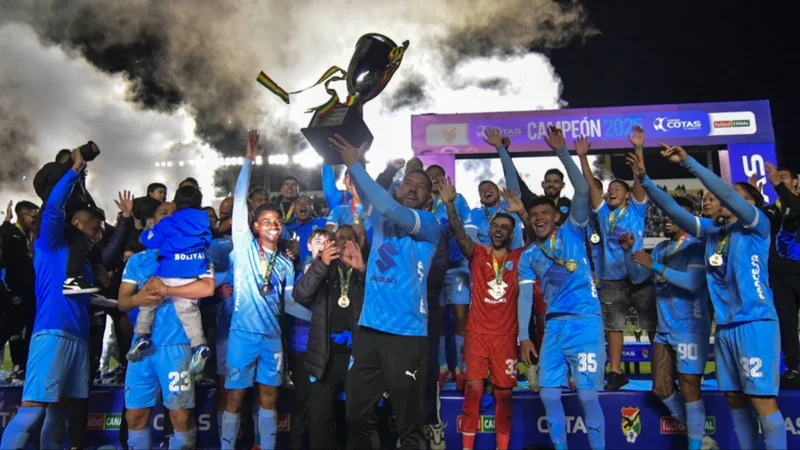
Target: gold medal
[[660, 279], [715, 260], [344, 302], [595, 237], [571, 266]]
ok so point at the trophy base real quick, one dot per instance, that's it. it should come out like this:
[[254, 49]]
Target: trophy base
[[344, 121]]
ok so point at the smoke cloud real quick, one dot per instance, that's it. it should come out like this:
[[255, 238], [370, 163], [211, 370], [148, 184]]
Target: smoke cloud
[[199, 59], [17, 141]]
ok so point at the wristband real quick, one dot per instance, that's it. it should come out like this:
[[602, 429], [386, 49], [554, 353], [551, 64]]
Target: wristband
[[638, 148]]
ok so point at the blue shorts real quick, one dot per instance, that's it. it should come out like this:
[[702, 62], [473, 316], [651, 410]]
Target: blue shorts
[[166, 369], [456, 287], [576, 345], [748, 357], [253, 356], [691, 350], [58, 366], [222, 353]]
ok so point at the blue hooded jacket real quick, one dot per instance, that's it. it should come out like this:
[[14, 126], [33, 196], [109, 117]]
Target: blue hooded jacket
[[182, 240]]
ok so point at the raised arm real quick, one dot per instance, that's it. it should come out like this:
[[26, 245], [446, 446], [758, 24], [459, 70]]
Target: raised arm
[[637, 139], [333, 195], [579, 212], [240, 227], [789, 199], [386, 177], [683, 218], [448, 195], [380, 200], [51, 232], [740, 207], [494, 139]]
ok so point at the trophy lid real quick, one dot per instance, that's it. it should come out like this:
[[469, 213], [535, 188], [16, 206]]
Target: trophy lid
[[367, 66]]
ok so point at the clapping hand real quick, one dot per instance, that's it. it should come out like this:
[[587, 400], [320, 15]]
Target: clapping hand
[[352, 256], [330, 253], [626, 241]]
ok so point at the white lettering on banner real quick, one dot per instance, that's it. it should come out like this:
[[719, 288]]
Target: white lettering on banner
[[756, 271], [189, 257], [574, 425], [792, 425], [754, 165], [5, 417], [203, 422], [583, 127]]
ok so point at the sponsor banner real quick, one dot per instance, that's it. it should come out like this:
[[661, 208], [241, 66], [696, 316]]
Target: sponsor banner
[[485, 424], [746, 160], [608, 128], [670, 425]]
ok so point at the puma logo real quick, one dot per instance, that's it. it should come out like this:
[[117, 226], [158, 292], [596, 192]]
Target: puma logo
[[412, 375]]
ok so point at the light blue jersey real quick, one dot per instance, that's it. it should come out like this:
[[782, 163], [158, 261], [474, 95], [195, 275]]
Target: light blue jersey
[[629, 219], [681, 310], [301, 231], [405, 240], [343, 215], [252, 311], [564, 292], [440, 211], [478, 222]]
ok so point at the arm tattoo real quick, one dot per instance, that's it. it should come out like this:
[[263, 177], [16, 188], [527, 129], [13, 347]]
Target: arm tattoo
[[457, 230]]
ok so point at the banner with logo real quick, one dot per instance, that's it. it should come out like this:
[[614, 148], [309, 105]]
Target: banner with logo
[[746, 160], [608, 128]]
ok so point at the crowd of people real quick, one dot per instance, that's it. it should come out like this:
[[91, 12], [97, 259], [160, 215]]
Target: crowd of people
[[263, 292]]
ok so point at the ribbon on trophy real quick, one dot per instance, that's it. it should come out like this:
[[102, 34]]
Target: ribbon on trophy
[[330, 75]]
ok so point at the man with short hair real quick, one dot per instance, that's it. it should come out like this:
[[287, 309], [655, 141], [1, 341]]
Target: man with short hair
[[552, 185], [353, 212], [20, 279], [784, 276], [257, 197], [58, 364], [166, 367], [306, 223], [263, 283], [290, 190], [225, 215], [390, 352]]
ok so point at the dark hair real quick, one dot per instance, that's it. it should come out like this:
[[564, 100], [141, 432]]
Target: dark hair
[[24, 206], [345, 227], [435, 166], [622, 183], [135, 246], [428, 183], [191, 181], [502, 215], [153, 186], [540, 200], [685, 202], [554, 172], [488, 182], [63, 155], [210, 208], [188, 197], [93, 210], [257, 190], [290, 177], [792, 172], [265, 208], [757, 196], [323, 232]]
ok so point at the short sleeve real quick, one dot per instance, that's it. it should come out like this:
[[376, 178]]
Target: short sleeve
[[639, 209], [574, 230], [602, 212], [333, 218], [526, 273], [131, 273], [462, 208]]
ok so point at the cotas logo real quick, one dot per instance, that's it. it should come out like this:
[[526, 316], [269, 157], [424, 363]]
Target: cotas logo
[[670, 425], [485, 424], [449, 134], [631, 423], [283, 422]]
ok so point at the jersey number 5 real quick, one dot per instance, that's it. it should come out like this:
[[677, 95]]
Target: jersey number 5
[[175, 377], [587, 362]]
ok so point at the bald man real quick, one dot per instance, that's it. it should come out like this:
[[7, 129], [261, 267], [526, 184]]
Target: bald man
[[225, 211]]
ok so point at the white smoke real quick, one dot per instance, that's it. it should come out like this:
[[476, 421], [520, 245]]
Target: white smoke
[[465, 56]]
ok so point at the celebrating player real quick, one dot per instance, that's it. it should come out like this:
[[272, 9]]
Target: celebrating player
[[58, 362], [573, 337], [390, 352], [684, 324], [746, 343], [491, 338], [263, 282]]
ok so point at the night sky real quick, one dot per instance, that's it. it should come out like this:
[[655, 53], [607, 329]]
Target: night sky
[[657, 52]]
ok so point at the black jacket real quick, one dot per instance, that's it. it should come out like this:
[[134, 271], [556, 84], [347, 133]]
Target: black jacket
[[18, 260], [781, 266], [46, 179], [319, 290]]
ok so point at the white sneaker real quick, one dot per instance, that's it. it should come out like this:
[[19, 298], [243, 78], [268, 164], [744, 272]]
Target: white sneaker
[[532, 375], [435, 435], [709, 444]]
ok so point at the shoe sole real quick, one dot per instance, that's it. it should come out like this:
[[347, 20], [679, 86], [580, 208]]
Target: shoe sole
[[81, 291]]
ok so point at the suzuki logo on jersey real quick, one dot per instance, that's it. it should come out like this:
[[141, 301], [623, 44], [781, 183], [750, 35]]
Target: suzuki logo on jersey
[[385, 254], [667, 124], [757, 276], [496, 291]]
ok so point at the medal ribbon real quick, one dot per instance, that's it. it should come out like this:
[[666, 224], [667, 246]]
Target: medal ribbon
[[344, 280], [722, 242], [613, 220], [287, 215], [498, 271], [266, 267], [668, 258], [357, 218], [436, 204], [551, 256]]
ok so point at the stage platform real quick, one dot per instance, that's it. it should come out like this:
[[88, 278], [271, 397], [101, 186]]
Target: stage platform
[[635, 419]]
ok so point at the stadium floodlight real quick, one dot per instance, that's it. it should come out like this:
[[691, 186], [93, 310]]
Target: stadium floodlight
[[279, 160]]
